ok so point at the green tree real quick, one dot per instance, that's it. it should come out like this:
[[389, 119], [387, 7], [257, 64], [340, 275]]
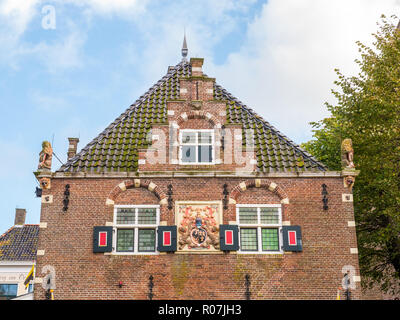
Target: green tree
[[368, 112]]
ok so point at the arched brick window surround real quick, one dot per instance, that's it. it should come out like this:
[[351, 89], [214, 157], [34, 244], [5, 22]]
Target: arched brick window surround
[[136, 183], [198, 114], [258, 183]]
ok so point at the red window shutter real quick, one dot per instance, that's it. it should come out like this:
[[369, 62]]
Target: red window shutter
[[292, 238], [103, 239], [228, 237], [166, 238]]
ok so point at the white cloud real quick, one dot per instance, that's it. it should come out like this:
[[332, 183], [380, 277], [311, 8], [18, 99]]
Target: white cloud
[[285, 70], [17, 13]]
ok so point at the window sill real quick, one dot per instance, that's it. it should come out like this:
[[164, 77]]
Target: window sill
[[131, 253], [261, 253]]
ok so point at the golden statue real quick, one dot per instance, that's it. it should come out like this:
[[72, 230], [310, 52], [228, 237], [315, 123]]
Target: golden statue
[[347, 154], [45, 156]]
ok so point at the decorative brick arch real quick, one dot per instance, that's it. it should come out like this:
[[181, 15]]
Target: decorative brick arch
[[258, 183], [136, 183], [198, 114]]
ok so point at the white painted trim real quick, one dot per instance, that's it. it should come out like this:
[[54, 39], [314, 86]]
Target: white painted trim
[[17, 263], [260, 226], [136, 227], [214, 173], [196, 144]]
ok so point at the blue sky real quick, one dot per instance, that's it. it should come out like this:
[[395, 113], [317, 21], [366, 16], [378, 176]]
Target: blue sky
[[72, 81]]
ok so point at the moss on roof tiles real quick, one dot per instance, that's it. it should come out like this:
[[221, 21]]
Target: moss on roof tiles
[[19, 243], [115, 149]]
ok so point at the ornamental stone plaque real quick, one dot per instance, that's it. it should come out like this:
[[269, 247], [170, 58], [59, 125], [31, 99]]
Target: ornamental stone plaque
[[198, 226]]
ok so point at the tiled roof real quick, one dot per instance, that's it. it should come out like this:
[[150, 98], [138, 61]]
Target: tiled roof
[[116, 148], [19, 243]]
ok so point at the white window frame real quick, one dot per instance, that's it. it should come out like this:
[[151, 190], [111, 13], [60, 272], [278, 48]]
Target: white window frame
[[260, 226], [196, 146], [135, 227]]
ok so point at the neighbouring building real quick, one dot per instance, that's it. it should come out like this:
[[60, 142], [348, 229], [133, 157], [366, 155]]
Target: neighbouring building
[[189, 194], [18, 247]]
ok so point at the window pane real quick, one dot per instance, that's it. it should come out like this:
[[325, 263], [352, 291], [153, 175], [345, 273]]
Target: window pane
[[188, 154], [8, 291], [147, 240], [188, 137], [126, 216], [125, 240], [147, 216], [248, 215], [205, 137], [248, 239], [205, 153], [270, 239], [269, 215]]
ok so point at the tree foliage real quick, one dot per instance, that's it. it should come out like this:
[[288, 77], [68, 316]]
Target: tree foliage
[[368, 112]]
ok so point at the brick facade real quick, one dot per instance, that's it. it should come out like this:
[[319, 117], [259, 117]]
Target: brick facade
[[313, 273]]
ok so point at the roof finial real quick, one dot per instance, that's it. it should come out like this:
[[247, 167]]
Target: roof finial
[[184, 48]]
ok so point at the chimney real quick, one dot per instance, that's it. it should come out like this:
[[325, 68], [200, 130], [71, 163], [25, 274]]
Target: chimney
[[20, 215], [197, 64], [73, 147]]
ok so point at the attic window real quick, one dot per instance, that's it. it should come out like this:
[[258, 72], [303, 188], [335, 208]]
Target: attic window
[[196, 147]]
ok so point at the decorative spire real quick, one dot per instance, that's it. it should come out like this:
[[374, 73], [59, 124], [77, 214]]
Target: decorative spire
[[184, 48]]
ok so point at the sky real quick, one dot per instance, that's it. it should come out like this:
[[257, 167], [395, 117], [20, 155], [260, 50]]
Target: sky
[[68, 68]]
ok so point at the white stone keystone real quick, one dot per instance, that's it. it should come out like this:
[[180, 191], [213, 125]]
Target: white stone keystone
[[258, 183], [137, 183], [285, 201], [272, 186], [109, 202], [232, 201], [122, 186], [242, 186], [152, 186]]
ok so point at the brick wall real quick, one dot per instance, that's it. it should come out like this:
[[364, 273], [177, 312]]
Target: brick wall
[[315, 273]]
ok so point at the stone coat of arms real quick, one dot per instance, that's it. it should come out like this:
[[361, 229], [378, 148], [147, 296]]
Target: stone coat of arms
[[198, 227]]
